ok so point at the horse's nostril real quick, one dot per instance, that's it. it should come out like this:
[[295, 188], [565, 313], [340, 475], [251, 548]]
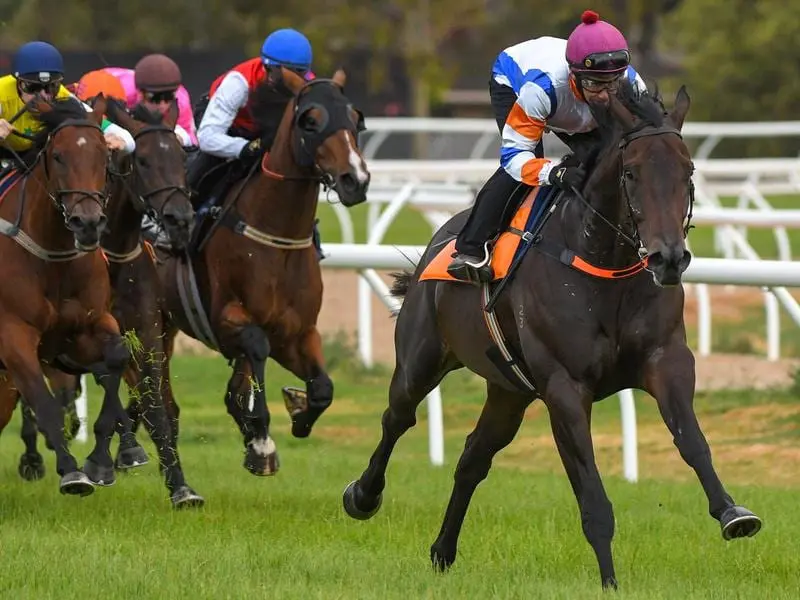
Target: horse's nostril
[[348, 182], [75, 224]]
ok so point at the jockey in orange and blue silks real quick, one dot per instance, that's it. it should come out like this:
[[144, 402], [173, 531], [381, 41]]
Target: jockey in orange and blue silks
[[543, 82]]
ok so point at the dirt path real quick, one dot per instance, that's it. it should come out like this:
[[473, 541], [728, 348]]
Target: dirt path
[[340, 313]]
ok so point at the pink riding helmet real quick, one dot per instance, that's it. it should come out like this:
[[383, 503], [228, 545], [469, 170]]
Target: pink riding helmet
[[597, 47]]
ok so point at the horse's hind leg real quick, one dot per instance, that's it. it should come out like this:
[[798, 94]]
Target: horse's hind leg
[[498, 424], [422, 362], [31, 463], [130, 453], [670, 379]]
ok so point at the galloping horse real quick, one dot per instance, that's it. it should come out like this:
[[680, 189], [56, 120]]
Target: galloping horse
[[596, 306], [253, 290], [152, 180], [54, 307]]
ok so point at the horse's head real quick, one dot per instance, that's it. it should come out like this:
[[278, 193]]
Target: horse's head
[[75, 157], [326, 128], [655, 179], [158, 173]]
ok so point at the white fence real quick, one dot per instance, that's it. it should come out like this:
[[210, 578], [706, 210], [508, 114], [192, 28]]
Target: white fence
[[437, 188], [484, 134]]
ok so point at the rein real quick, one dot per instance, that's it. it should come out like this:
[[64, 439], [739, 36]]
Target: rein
[[635, 241], [303, 148]]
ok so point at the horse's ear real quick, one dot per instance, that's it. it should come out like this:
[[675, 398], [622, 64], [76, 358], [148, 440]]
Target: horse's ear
[[171, 118], [292, 80], [99, 106], [339, 78], [117, 114], [682, 103]]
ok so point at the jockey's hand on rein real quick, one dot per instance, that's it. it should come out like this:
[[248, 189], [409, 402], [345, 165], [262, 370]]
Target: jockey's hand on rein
[[251, 150], [5, 129], [567, 174]]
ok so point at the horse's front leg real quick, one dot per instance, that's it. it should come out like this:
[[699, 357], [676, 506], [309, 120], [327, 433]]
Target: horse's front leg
[[670, 379], [242, 338], [303, 357], [19, 344], [106, 355]]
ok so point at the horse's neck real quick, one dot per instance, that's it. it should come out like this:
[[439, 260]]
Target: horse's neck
[[41, 220], [124, 221], [283, 207], [595, 239]]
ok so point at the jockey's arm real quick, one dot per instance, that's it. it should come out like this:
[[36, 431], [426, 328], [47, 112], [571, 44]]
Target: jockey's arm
[[183, 136], [212, 135], [637, 81], [523, 131], [111, 129]]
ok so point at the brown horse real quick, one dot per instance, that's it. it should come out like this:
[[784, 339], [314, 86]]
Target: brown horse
[[153, 181], [573, 338], [253, 290], [57, 309]]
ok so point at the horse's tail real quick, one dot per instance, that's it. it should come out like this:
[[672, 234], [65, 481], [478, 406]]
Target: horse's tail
[[402, 280]]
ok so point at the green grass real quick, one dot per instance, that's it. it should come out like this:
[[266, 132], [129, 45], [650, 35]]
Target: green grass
[[287, 536]]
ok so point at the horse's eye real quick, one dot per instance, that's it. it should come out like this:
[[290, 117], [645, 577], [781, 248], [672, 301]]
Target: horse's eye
[[142, 162], [59, 158], [309, 123], [629, 175]]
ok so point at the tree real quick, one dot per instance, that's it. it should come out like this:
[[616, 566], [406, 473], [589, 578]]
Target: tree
[[741, 61]]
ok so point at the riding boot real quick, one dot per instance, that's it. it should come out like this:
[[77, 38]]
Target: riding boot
[[494, 207]]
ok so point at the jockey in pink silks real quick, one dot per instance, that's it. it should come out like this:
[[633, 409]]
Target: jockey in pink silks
[[154, 83]]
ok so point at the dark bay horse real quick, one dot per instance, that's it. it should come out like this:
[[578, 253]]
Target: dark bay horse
[[152, 180], [577, 337], [253, 290], [54, 304]]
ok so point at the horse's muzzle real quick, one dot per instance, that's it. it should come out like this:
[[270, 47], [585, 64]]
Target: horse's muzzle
[[668, 263], [178, 225], [87, 229], [351, 188]]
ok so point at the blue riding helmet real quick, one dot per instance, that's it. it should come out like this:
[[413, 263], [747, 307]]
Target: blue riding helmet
[[287, 48], [38, 61]]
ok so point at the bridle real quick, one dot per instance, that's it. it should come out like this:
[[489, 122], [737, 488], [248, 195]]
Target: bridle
[[141, 200], [642, 130]]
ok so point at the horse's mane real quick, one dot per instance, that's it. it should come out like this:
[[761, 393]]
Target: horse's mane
[[646, 107], [147, 116], [62, 110], [267, 103]]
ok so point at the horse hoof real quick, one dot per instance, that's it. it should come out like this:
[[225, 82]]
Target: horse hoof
[[295, 400], [186, 497], [738, 522], [610, 583], [261, 465], [129, 458], [303, 421], [350, 500], [98, 474], [31, 467], [441, 561], [76, 484]]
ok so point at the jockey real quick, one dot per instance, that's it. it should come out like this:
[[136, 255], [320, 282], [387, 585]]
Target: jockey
[[154, 84], [38, 71], [543, 82], [227, 129]]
